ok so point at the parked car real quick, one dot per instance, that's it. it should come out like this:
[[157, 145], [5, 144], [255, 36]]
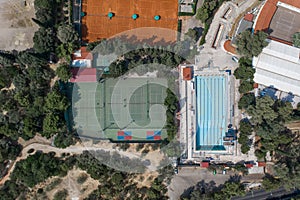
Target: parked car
[[235, 59], [176, 170]]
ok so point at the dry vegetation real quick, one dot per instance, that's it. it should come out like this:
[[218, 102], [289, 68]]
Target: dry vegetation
[[70, 182]]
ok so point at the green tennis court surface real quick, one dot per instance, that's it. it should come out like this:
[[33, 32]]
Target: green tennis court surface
[[122, 109]]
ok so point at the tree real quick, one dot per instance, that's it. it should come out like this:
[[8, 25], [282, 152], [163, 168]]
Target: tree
[[245, 148], [270, 183], [245, 127], [51, 125], [56, 101], [6, 59], [43, 4], [43, 40], [246, 86], [250, 45], [296, 39], [63, 140], [23, 98], [63, 72], [192, 34], [229, 190], [6, 75], [245, 71], [37, 168], [202, 14], [60, 195], [9, 149], [262, 111], [284, 110], [67, 34], [260, 154], [44, 18], [246, 100]]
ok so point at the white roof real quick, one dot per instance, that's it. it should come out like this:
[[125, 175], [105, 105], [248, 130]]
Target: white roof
[[279, 65]]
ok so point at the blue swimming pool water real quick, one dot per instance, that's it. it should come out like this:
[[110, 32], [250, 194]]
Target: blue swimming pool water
[[211, 112]]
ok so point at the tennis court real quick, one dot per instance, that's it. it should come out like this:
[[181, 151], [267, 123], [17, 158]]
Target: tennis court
[[84, 110], [284, 24], [97, 25], [132, 109], [211, 105]]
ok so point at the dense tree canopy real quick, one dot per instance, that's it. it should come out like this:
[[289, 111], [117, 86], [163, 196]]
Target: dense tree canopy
[[55, 101], [296, 39], [207, 191], [67, 34], [63, 72], [246, 100], [37, 168], [262, 110], [43, 40], [245, 86], [245, 71], [250, 45], [6, 75]]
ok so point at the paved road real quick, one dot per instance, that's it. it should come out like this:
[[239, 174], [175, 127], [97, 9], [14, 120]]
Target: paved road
[[218, 56], [262, 195], [189, 177]]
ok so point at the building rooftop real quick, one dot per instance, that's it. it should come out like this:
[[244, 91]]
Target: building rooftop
[[82, 53], [187, 73], [82, 58], [279, 65], [249, 17], [83, 75]]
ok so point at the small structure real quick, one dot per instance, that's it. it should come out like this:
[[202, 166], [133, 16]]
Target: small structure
[[80, 75], [187, 73], [156, 17], [249, 165], [82, 58], [205, 164], [249, 17], [261, 164], [186, 8], [134, 16]]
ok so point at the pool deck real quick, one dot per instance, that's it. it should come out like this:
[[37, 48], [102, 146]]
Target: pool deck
[[188, 116]]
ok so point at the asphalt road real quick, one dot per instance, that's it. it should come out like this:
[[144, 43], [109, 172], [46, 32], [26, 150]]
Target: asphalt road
[[262, 195]]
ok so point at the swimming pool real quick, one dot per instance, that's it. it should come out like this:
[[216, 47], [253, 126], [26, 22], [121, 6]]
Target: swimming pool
[[211, 111]]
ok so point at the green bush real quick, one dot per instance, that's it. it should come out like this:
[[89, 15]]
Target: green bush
[[61, 195], [82, 178]]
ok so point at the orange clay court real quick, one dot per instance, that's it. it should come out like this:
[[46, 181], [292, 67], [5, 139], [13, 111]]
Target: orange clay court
[[97, 25]]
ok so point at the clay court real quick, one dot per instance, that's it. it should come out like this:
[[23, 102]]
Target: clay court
[[284, 24], [97, 25], [268, 11]]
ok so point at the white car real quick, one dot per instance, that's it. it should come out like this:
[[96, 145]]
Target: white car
[[235, 59]]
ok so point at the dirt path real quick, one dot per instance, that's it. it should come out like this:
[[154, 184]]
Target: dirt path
[[41, 144]]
